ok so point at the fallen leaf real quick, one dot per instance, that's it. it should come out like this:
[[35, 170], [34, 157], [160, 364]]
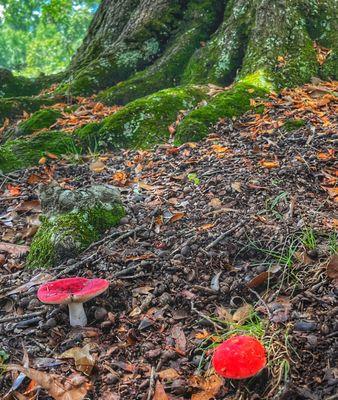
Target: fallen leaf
[[269, 164], [97, 166], [242, 314], [42, 160], [178, 335], [208, 387], [52, 156], [84, 361], [332, 192], [258, 280], [145, 186], [202, 335], [168, 374], [177, 217], [224, 314], [326, 156], [332, 268], [219, 149], [120, 178], [74, 387], [237, 186], [215, 203], [14, 190], [14, 249], [159, 393], [29, 205]]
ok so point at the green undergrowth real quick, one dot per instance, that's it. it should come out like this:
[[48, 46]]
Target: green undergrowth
[[66, 235], [39, 120], [25, 152], [293, 124]]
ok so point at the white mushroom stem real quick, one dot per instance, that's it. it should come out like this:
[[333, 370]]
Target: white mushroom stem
[[77, 315]]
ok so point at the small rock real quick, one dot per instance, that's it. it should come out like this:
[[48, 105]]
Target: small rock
[[33, 304], [100, 314], [185, 251], [51, 323], [305, 326], [124, 221]]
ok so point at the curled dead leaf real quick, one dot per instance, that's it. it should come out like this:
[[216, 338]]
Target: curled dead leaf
[[84, 361], [243, 313]]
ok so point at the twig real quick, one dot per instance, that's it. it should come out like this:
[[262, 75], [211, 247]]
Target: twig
[[24, 316], [152, 383], [225, 234], [262, 301], [205, 317]]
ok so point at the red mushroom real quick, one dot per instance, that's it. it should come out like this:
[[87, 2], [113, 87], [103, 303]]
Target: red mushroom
[[74, 292], [239, 357]]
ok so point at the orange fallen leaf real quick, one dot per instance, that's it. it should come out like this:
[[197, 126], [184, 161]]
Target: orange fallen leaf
[[208, 387], [219, 149], [177, 217], [52, 156], [14, 190], [269, 164], [326, 156], [160, 393], [42, 160], [168, 374], [332, 192], [120, 178]]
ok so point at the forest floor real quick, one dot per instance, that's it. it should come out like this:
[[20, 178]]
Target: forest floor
[[236, 233]]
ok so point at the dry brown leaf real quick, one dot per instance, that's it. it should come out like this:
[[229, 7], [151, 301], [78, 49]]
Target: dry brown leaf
[[97, 166], [84, 361], [74, 387], [202, 335], [242, 314], [219, 149], [14, 249], [52, 156], [237, 186], [332, 192], [205, 227], [258, 280], [160, 393], [332, 268], [145, 186], [224, 314], [120, 178], [177, 217], [215, 203], [13, 190], [168, 374], [326, 156], [42, 160], [178, 335], [29, 205], [269, 164], [208, 387]]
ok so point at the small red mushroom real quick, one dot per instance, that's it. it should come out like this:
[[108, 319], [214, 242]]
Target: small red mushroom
[[74, 292], [239, 357]]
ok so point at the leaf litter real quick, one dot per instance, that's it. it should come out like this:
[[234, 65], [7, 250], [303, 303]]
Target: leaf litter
[[255, 170]]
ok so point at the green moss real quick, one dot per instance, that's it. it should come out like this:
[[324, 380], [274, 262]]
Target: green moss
[[39, 120], [144, 122], [65, 236], [88, 135], [230, 103], [25, 152], [13, 107], [200, 19], [293, 124]]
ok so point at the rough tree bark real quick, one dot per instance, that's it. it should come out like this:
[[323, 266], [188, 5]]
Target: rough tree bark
[[135, 48]]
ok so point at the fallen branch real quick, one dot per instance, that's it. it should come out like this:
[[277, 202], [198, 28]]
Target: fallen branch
[[224, 235], [24, 316]]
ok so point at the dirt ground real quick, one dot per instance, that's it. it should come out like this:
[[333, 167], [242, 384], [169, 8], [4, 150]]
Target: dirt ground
[[235, 234]]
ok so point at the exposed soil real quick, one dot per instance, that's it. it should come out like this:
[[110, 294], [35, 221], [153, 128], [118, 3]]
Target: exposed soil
[[246, 216]]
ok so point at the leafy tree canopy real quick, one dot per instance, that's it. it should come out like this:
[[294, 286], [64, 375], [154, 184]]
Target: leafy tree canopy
[[40, 36]]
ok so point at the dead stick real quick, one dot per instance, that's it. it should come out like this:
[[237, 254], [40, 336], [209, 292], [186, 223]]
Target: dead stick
[[24, 316], [225, 234], [152, 382]]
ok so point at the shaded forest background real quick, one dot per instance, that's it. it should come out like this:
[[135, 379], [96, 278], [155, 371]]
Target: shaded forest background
[[41, 36]]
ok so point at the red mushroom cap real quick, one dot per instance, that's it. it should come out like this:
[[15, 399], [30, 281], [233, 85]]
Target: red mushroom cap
[[71, 290], [239, 357]]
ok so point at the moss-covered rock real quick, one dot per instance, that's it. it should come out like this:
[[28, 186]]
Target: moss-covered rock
[[39, 120], [73, 220], [12, 108], [25, 152], [230, 103], [145, 121]]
